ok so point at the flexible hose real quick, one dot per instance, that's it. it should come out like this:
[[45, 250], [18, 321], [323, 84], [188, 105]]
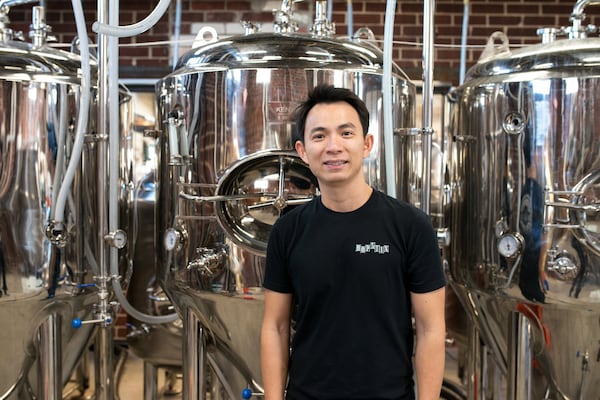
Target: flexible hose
[[82, 120], [113, 195], [176, 33], [386, 87], [350, 14], [133, 29], [61, 134], [463, 42]]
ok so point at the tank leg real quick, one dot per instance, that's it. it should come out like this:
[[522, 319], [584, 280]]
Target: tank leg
[[473, 369], [50, 358], [150, 381], [194, 363], [520, 363], [105, 385]]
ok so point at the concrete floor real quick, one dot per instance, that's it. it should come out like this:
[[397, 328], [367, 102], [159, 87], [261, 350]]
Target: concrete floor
[[130, 384]]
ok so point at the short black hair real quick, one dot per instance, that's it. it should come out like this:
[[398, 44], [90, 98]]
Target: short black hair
[[328, 94]]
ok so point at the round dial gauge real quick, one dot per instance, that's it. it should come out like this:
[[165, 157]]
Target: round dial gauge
[[171, 239], [120, 239], [510, 245]]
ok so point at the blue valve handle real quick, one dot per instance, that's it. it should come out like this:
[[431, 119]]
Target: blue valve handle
[[85, 285], [77, 322], [246, 393]]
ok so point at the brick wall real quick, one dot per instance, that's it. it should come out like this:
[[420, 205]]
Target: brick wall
[[149, 53]]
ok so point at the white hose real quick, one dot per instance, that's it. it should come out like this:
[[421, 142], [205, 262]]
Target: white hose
[[82, 120], [133, 29], [350, 16], [176, 33], [386, 87], [463, 42], [61, 137], [113, 133], [113, 180]]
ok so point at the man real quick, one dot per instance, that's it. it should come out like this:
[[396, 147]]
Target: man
[[348, 268]]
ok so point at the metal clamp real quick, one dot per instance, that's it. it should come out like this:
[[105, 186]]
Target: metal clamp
[[55, 232], [414, 131]]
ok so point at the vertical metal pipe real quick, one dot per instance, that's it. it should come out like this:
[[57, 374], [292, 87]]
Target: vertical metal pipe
[[150, 381], [428, 51], [473, 362], [520, 353], [49, 355], [105, 389], [388, 100], [194, 353]]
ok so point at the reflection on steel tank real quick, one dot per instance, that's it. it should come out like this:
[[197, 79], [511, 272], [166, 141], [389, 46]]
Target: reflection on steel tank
[[43, 277], [158, 345], [227, 170], [525, 172]]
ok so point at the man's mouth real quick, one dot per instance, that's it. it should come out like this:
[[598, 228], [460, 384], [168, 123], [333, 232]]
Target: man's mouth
[[335, 163]]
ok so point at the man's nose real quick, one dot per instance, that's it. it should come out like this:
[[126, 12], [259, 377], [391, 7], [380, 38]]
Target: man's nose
[[333, 143]]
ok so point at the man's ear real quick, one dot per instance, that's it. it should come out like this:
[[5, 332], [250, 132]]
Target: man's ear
[[369, 141], [301, 151]]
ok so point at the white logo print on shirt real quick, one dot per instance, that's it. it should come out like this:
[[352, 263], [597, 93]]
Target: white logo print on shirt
[[372, 248]]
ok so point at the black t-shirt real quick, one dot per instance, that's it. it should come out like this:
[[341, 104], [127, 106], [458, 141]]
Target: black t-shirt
[[351, 275]]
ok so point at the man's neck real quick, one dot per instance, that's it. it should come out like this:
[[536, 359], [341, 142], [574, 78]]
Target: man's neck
[[346, 199]]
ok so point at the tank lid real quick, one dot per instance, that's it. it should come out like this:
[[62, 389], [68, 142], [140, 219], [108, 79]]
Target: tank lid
[[21, 61], [559, 55], [272, 50]]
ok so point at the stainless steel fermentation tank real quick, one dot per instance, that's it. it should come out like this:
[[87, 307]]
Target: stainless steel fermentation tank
[[228, 170], [43, 277], [524, 175], [159, 345]]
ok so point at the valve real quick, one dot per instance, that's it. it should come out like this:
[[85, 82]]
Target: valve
[[77, 323], [248, 393]]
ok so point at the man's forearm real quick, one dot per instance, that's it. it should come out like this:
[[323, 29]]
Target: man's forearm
[[430, 357], [274, 363]]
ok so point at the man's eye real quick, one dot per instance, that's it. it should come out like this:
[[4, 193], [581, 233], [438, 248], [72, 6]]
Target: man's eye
[[347, 133]]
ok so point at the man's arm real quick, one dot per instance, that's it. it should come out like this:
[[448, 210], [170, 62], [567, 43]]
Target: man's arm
[[275, 343], [430, 350]]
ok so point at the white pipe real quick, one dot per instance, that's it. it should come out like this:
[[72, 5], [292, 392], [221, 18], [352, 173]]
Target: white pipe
[[149, 319], [133, 29], [176, 33], [114, 159], [61, 134], [428, 52], [114, 135], [350, 16], [82, 120], [386, 88], [463, 42]]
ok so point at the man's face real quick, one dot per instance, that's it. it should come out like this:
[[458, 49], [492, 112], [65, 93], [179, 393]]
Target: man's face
[[334, 144]]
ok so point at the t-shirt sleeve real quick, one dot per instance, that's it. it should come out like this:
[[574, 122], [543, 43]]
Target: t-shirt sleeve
[[276, 273], [425, 272]]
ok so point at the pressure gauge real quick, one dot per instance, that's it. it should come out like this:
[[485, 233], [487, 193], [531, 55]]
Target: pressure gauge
[[510, 245], [117, 238], [173, 239]]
